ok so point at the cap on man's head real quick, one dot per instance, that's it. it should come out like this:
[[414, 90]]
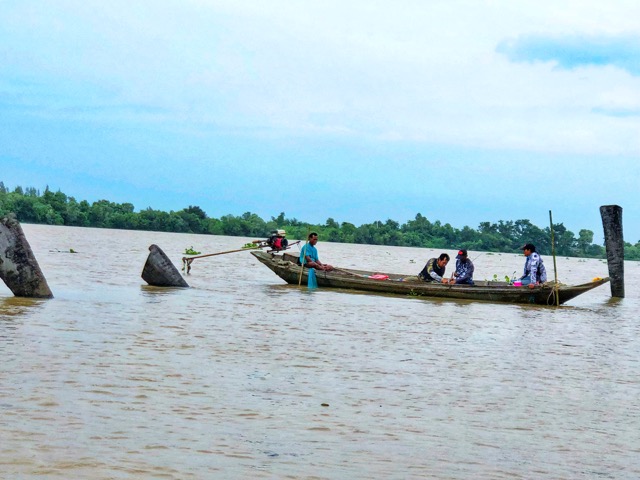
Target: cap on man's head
[[281, 233], [462, 253], [528, 246]]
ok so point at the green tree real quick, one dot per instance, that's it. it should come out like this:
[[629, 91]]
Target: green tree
[[585, 239], [57, 208]]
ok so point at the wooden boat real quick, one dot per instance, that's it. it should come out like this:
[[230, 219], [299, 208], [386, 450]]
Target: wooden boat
[[285, 266]]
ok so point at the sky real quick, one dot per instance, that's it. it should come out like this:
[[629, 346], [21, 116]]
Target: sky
[[359, 110]]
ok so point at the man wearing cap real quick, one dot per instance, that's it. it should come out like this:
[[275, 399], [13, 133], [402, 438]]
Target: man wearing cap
[[464, 269], [534, 271]]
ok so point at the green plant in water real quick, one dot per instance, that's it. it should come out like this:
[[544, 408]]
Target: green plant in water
[[250, 245], [190, 251], [507, 278]]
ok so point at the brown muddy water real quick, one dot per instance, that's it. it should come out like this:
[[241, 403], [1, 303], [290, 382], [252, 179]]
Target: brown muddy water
[[242, 376]]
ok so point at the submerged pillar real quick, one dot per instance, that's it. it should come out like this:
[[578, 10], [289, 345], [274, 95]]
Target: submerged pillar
[[614, 243], [160, 272], [19, 268]]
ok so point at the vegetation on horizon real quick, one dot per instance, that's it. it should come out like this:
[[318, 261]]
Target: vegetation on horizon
[[56, 208]]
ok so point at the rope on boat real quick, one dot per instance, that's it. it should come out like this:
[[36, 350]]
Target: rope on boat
[[552, 297], [555, 286]]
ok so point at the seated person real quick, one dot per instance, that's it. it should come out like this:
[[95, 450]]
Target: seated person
[[309, 254], [535, 272], [433, 271], [464, 269]]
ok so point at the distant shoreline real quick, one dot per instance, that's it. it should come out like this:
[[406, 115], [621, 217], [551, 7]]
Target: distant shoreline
[[57, 208]]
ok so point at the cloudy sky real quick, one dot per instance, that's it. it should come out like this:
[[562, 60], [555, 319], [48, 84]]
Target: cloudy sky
[[463, 111]]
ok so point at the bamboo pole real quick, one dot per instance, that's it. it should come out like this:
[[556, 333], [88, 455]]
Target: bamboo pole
[[220, 253], [186, 261], [304, 249], [553, 251]]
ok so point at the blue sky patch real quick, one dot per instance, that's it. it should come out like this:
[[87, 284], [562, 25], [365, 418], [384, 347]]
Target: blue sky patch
[[617, 112], [576, 51]]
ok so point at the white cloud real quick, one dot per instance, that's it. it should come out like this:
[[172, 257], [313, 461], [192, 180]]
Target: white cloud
[[175, 84], [408, 70]]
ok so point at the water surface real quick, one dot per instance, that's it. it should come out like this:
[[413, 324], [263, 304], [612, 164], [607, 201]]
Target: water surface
[[242, 376]]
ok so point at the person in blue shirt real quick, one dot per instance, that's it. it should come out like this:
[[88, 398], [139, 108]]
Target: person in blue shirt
[[309, 254], [464, 269], [534, 271]]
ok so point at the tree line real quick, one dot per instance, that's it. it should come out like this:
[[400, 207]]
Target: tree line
[[56, 208]]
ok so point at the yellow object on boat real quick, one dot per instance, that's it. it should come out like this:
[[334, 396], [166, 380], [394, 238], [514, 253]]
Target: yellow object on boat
[[596, 279]]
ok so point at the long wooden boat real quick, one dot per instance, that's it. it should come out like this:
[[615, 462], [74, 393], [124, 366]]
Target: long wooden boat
[[285, 266]]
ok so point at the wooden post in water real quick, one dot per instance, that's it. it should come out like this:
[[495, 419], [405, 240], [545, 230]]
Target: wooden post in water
[[614, 243], [18, 265], [553, 252], [158, 271]]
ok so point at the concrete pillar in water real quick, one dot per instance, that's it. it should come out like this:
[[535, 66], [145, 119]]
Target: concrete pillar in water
[[160, 272], [614, 243], [18, 265]]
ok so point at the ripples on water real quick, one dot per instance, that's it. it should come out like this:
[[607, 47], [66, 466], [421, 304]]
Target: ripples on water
[[242, 376]]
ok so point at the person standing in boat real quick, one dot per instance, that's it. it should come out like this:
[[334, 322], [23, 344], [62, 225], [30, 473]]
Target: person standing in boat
[[433, 271], [309, 254], [534, 271], [464, 269]]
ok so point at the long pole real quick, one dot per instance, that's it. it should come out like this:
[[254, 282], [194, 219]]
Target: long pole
[[304, 249], [219, 253], [186, 261], [553, 251]]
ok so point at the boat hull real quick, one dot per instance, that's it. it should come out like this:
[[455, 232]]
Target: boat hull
[[285, 267]]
